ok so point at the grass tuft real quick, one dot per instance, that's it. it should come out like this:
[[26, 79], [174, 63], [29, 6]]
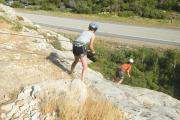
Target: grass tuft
[[31, 27], [17, 26], [3, 19], [95, 108]]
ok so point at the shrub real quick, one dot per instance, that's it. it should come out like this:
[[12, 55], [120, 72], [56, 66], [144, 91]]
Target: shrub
[[49, 6], [153, 13], [17, 26], [17, 4], [56, 44], [126, 14], [170, 5], [83, 7]]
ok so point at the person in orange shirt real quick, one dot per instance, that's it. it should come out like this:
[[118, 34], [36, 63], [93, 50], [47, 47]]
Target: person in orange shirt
[[122, 69]]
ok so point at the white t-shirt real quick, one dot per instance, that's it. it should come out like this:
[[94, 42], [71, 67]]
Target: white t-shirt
[[85, 37]]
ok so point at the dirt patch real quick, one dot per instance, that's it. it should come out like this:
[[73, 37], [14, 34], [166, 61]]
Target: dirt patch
[[4, 25]]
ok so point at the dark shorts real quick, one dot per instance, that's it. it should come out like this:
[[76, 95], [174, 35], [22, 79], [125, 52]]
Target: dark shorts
[[79, 51], [120, 74]]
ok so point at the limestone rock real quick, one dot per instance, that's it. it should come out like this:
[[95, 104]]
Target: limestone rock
[[8, 12], [74, 91], [7, 107], [28, 106], [65, 42], [37, 26]]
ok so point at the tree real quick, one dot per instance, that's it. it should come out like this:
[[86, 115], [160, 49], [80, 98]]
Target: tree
[[169, 5], [143, 8]]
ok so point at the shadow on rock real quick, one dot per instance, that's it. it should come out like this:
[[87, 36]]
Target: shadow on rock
[[54, 58]]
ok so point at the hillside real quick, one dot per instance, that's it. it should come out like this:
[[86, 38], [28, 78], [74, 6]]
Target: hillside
[[34, 81]]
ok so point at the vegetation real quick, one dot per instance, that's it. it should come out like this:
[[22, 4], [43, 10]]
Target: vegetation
[[154, 69], [17, 4], [51, 39], [17, 26], [56, 44], [31, 27], [94, 108], [144, 8], [3, 19]]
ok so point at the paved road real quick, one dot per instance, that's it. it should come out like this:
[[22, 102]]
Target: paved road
[[149, 34]]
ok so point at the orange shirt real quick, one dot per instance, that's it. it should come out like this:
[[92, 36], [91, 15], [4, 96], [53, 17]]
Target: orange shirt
[[126, 67]]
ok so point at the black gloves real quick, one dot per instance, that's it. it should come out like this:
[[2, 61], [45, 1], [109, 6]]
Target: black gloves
[[91, 56]]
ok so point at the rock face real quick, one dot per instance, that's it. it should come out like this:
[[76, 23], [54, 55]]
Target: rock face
[[8, 12], [143, 104], [28, 61], [28, 103], [65, 43]]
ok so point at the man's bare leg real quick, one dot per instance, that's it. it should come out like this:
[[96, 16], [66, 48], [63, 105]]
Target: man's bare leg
[[85, 67], [76, 60]]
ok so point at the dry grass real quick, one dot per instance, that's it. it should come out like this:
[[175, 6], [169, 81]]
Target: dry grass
[[101, 110], [15, 25], [4, 23], [95, 108]]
